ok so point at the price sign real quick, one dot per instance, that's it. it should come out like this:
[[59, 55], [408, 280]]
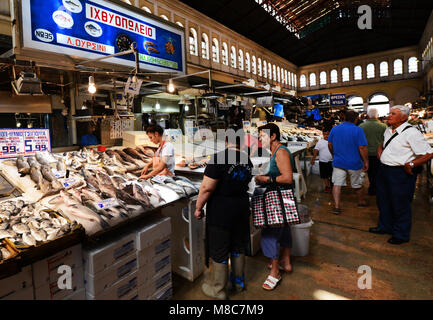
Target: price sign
[[107, 203], [68, 182], [95, 167], [59, 174], [23, 142]]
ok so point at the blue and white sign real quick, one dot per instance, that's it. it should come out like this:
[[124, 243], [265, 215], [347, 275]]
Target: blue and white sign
[[337, 100], [91, 29]]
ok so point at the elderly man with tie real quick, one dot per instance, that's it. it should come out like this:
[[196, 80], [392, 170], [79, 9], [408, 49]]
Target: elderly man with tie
[[402, 155]]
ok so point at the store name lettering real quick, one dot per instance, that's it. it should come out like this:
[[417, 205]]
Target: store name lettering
[[115, 20], [87, 44]]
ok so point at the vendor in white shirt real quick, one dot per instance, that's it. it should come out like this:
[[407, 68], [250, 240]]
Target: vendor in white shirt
[[402, 154], [163, 162]]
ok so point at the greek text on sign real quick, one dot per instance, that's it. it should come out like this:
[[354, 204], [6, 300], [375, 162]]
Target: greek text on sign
[[337, 99], [96, 167], [23, 142], [118, 21], [69, 182], [80, 43], [107, 203]]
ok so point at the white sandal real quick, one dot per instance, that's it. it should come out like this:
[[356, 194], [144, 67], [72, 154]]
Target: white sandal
[[271, 282]]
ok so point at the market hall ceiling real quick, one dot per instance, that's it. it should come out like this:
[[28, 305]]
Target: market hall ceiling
[[311, 31]]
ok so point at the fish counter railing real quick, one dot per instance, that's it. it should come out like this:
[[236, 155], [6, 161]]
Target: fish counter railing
[[79, 192]]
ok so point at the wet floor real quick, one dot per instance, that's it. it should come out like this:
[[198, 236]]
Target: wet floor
[[339, 245]]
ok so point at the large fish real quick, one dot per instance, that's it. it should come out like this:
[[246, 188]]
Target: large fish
[[146, 151], [118, 160], [61, 166], [169, 182], [22, 165], [141, 195], [41, 183], [50, 177], [136, 155], [90, 179], [93, 196], [130, 160], [45, 158], [103, 178], [117, 180], [33, 162]]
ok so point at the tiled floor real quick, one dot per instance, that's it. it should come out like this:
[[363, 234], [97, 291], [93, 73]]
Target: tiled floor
[[339, 245]]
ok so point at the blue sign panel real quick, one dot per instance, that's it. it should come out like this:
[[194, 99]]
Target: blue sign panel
[[337, 100], [94, 28]]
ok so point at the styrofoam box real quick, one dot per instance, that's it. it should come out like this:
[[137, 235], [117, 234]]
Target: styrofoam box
[[16, 283], [137, 138], [103, 255], [51, 290], [146, 290], [155, 230], [165, 293], [124, 289], [103, 280], [78, 295], [154, 253], [255, 241], [24, 294], [315, 169], [153, 271], [45, 271]]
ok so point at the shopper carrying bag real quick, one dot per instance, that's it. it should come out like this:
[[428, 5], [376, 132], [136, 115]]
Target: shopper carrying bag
[[279, 176]]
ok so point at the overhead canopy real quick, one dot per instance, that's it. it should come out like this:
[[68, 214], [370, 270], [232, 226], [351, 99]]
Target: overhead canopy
[[313, 31]]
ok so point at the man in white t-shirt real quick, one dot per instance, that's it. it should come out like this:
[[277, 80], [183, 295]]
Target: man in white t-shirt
[[163, 162], [325, 161]]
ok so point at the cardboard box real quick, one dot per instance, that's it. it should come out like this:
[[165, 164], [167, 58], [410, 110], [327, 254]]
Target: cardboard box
[[154, 253], [24, 294], [96, 284], [153, 231], [165, 293], [52, 291], [99, 257], [78, 295], [135, 138], [146, 290], [16, 283], [124, 289], [46, 271], [153, 271]]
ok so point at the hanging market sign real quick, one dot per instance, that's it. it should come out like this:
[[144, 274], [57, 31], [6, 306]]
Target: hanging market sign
[[23, 142], [337, 100], [92, 29]]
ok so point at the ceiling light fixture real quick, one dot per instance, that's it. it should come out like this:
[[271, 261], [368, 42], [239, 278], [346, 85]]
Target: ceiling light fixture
[[18, 124], [92, 87], [186, 107], [30, 125], [171, 88], [157, 106]]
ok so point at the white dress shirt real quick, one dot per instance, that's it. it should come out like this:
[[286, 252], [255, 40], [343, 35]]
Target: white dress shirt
[[405, 147]]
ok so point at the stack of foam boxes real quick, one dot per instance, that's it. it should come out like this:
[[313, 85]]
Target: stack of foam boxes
[[154, 259], [18, 286], [110, 269], [60, 276]]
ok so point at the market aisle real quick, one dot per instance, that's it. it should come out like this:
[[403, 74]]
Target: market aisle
[[339, 245]]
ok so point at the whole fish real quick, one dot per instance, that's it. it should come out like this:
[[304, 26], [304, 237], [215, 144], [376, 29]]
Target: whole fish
[[103, 178], [141, 195], [135, 154], [61, 165], [92, 206], [128, 159], [33, 162], [127, 198], [45, 158], [76, 194], [41, 183], [108, 190], [50, 177], [39, 235], [28, 239], [90, 195], [117, 181], [90, 179], [146, 151], [22, 165]]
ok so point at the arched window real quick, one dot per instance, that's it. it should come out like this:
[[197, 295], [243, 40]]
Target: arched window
[[383, 69], [265, 69], [380, 102], [269, 71], [323, 79], [205, 46], [290, 76], [398, 66], [278, 74], [259, 67], [164, 17], [193, 47], [274, 73], [225, 54], [296, 81], [370, 71], [233, 57], [303, 81], [241, 60], [345, 74], [146, 9], [413, 64], [357, 73], [355, 103], [247, 62], [284, 76], [179, 24], [313, 80], [334, 76], [215, 50], [254, 64]]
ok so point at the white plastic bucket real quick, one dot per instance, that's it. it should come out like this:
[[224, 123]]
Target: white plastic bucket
[[301, 238]]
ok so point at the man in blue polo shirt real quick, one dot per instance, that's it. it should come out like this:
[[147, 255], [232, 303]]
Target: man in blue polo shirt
[[348, 145]]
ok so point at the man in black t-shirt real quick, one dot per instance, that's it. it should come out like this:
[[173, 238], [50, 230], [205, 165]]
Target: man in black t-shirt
[[224, 189]]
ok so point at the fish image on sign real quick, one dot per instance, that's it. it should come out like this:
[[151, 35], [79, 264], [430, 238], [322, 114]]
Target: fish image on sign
[[93, 29], [73, 5], [63, 19]]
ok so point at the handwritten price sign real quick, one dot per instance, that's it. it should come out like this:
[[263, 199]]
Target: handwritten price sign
[[23, 142]]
